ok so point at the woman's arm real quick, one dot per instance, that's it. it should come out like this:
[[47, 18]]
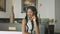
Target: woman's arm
[[24, 27], [36, 27]]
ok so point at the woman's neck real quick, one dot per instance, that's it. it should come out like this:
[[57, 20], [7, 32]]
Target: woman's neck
[[30, 18]]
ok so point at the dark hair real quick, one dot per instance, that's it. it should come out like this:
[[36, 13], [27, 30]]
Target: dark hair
[[34, 10]]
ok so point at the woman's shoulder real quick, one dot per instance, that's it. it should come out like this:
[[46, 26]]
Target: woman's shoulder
[[24, 20]]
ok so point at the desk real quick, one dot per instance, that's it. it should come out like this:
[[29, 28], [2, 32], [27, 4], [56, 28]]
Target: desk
[[10, 32]]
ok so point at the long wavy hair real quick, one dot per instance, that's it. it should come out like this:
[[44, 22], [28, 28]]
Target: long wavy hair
[[34, 11]]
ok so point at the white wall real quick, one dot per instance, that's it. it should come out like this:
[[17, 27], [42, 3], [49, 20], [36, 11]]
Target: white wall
[[46, 11], [8, 9]]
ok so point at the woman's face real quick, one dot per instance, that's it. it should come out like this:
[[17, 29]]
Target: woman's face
[[29, 13]]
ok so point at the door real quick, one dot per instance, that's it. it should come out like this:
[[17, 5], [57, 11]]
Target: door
[[57, 15]]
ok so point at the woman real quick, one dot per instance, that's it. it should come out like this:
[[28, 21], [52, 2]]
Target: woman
[[30, 23]]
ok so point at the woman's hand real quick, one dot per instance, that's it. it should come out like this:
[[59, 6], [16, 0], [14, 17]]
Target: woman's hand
[[36, 27], [34, 18]]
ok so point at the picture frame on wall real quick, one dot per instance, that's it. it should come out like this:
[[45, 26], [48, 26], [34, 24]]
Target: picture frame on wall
[[3, 5], [26, 3]]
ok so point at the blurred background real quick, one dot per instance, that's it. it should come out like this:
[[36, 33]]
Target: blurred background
[[13, 11]]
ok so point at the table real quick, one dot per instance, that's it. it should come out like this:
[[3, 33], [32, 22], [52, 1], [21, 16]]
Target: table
[[10, 32]]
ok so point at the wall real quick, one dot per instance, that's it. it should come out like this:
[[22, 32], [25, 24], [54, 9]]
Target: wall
[[8, 9], [47, 10]]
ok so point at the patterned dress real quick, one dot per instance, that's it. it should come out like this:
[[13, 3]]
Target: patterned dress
[[30, 27]]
